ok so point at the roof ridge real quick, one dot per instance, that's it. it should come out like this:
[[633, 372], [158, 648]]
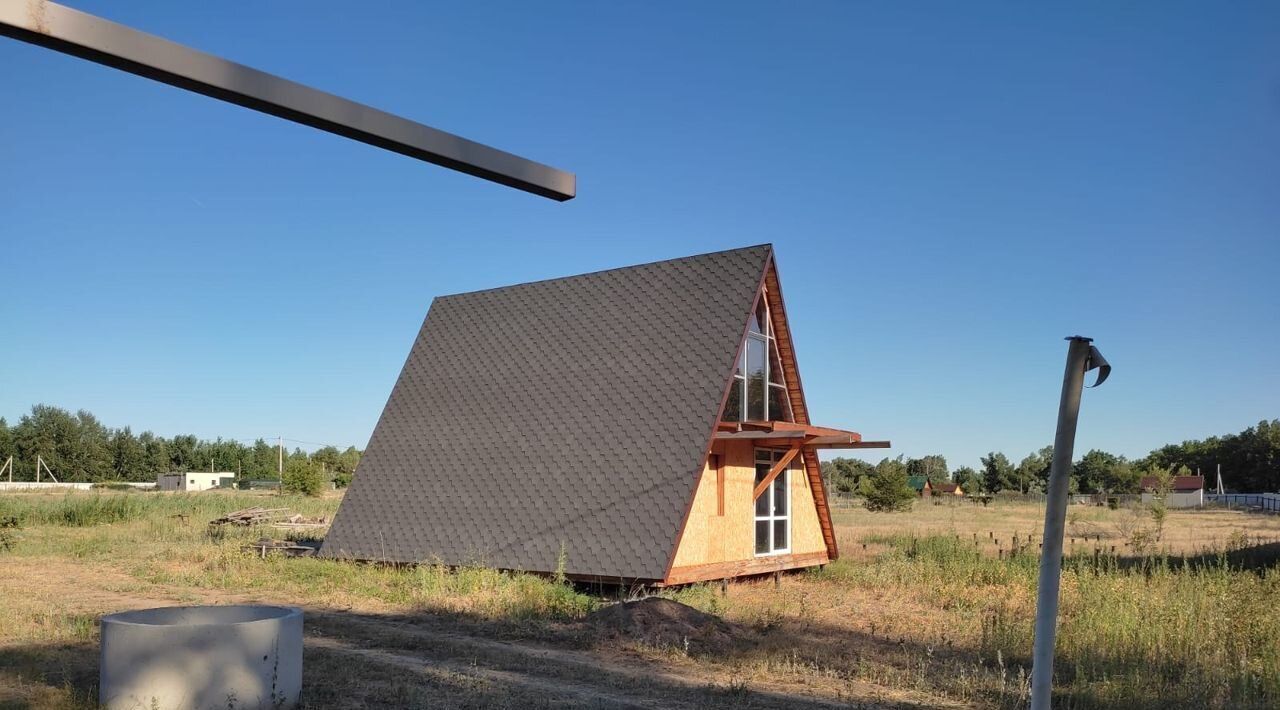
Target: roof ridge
[[768, 245]]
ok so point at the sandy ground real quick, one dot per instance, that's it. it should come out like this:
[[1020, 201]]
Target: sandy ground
[[370, 656], [376, 654]]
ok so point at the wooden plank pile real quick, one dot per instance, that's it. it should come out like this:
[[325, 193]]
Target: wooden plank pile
[[300, 522], [250, 516]]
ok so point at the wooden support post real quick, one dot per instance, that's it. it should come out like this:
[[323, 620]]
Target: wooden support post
[[41, 464], [777, 469]]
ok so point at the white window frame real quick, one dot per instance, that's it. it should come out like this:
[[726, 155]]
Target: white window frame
[[773, 455], [770, 348]]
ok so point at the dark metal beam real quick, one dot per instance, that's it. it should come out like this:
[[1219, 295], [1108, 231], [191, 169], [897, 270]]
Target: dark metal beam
[[82, 35]]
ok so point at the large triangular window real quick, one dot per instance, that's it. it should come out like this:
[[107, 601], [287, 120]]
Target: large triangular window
[[758, 393]]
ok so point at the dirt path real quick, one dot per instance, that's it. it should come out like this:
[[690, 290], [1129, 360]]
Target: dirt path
[[359, 658], [587, 677], [555, 690]]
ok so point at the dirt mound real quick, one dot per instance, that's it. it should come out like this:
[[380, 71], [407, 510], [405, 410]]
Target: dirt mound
[[664, 623]]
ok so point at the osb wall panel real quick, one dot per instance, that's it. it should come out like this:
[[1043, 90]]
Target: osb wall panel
[[710, 538], [806, 531]]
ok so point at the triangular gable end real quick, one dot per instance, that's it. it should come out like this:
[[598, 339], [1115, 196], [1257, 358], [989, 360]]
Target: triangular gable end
[[758, 402]]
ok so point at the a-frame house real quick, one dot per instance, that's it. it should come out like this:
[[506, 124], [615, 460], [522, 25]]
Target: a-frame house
[[643, 424]]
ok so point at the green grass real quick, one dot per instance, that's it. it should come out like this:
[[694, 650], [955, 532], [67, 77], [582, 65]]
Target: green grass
[[1154, 634], [163, 539], [477, 591], [78, 509], [928, 613]]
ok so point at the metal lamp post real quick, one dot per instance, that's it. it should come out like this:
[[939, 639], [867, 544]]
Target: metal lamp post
[[1082, 356]]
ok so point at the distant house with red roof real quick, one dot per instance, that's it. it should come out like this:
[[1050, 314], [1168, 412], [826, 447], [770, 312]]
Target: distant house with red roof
[[1184, 491]]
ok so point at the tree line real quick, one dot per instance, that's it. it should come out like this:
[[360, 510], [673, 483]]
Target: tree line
[[1250, 463], [78, 447]]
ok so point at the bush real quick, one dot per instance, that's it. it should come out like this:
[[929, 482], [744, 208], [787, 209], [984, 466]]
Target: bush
[[300, 476]]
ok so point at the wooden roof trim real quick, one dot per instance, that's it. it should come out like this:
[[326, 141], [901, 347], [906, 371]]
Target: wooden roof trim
[[815, 437], [750, 427], [782, 337], [836, 442], [795, 393]]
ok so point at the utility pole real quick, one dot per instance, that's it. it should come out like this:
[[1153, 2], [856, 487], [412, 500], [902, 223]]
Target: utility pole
[[1081, 357], [280, 465]]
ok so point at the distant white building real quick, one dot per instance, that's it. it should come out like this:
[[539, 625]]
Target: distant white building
[[192, 481], [1185, 491]]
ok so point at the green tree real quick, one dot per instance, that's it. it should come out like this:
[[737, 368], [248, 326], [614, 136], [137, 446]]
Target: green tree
[[264, 464], [6, 441], [128, 456], [997, 473], [73, 446], [92, 450], [1033, 471], [933, 467], [1250, 460], [182, 453], [1042, 478], [1102, 472], [844, 474], [77, 447], [155, 453], [1160, 496], [302, 476], [969, 480], [888, 489]]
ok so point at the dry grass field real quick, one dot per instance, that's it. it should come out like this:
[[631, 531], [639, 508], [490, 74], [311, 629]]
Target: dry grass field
[[928, 608]]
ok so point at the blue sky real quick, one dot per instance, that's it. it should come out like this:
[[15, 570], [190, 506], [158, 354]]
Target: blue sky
[[952, 188]]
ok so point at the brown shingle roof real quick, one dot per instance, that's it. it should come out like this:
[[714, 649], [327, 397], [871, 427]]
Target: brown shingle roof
[[1180, 483], [571, 412]]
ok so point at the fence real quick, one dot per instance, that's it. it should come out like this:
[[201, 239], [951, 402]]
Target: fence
[[63, 485], [1264, 502]]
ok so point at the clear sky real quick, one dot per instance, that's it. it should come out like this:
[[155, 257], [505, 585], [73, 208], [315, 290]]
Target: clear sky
[[951, 188]]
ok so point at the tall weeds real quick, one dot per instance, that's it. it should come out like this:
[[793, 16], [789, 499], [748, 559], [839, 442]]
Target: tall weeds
[[79, 509], [1145, 633]]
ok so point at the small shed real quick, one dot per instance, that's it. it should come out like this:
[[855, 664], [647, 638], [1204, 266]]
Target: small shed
[[1185, 491], [192, 481], [921, 485]]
